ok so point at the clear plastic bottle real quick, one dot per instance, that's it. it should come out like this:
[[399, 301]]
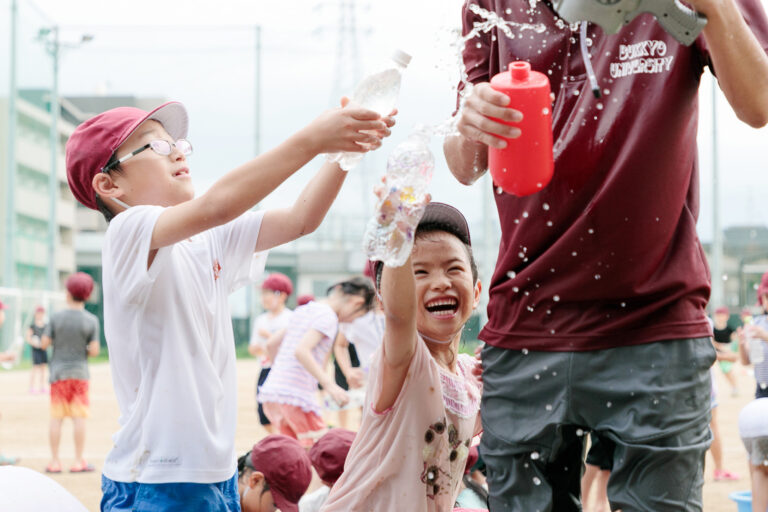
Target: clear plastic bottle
[[756, 350], [389, 234], [378, 92]]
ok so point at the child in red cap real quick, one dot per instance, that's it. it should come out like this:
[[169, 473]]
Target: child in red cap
[[170, 261], [328, 456], [274, 474], [74, 335], [275, 290]]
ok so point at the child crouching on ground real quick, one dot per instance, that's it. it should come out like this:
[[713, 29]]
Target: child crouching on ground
[[422, 408], [288, 394], [170, 261], [273, 475]]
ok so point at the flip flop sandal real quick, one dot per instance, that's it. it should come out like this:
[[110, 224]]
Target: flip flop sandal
[[53, 468], [87, 468]]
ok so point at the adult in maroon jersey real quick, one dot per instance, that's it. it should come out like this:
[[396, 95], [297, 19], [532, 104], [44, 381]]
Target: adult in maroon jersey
[[596, 313]]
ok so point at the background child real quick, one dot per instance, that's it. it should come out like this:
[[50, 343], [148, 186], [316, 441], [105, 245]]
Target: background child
[[275, 290], [288, 395], [422, 409], [74, 335], [328, 456], [39, 356], [274, 474], [753, 429], [757, 329], [170, 261], [726, 345]]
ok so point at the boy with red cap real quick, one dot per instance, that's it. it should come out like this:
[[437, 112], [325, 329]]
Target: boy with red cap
[[275, 290], [74, 335], [170, 261], [275, 474]]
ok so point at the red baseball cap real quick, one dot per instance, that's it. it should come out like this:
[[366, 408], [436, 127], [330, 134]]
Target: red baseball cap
[[79, 285], [286, 468], [304, 299], [39, 309], [329, 453], [278, 282], [723, 310], [91, 145]]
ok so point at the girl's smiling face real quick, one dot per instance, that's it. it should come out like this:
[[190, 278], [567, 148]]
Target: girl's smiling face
[[446, 293]]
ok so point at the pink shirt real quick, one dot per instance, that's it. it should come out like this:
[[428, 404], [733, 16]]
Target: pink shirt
[[412, 456], [289, 382]]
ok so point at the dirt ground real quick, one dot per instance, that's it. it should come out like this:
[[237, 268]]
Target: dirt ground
[[24, 430]]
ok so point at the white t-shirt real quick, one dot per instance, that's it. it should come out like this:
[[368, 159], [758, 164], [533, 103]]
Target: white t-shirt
[[271, 324], [313, 501], [171, 347], [366, 334], [26, 490], [753, 419]]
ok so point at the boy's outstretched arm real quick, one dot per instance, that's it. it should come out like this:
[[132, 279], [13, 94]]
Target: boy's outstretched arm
[[340, 129], [283, 225], [398, 292]]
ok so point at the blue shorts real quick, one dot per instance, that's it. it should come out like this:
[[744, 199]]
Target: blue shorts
[[172, 497]]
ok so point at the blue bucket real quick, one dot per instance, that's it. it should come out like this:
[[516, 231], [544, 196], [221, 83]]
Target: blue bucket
[[743, 500]]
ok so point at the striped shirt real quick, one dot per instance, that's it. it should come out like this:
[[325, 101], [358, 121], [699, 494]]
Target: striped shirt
[[289, 382]]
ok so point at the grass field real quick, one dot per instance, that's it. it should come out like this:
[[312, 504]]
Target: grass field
[[24, 430]]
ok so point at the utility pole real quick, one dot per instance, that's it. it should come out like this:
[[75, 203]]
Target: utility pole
[[718, 297], [53, 181], [9, 272]]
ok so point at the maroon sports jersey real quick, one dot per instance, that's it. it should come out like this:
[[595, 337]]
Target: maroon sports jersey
[[607, 254]]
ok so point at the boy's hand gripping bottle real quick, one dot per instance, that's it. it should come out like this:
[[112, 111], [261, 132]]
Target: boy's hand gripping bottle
[[525, 166], [389, 234], [377, 92]]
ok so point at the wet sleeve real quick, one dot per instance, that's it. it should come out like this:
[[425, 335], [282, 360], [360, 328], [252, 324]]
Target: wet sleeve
[[477, 50], [129, 237], [237, 240], [757, 21]]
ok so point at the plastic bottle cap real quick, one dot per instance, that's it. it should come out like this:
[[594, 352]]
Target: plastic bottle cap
[[401, 58], [519, 70]]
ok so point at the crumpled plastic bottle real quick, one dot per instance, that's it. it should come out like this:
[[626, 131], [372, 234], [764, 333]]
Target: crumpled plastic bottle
[[377, 92], [389, 234]]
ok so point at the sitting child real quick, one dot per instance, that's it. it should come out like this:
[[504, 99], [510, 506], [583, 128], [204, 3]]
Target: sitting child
[[422, 408], [274, 474], [328, 456]]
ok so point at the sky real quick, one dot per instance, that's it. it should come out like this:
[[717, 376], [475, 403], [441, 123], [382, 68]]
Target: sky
[[203, 54]]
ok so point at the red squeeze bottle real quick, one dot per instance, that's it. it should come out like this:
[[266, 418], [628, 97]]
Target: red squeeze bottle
[[525, 166]]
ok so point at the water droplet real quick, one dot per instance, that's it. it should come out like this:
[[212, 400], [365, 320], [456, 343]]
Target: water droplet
[[548, 407], [599, 106], [524, 351], [574, 254], [608, 404], [526, 293], [588, 42], [549, 311], [552, 270], [591, 231], [597, 276], [499, 191], [526, 465], [545, 110], [556, 298], [493, 38], [521, 254], [525, 215], [511, 274], [576, 92], [517, 221], [551, 331], [549, 223], [657, 219], [554, 374], [530, 309], [606, 92], [537, 376], [655, 401], [623, 304], [508, 10], [545, 206], [764, 385], [535, 456], [515, 289], [725, 277], [579, 432], [560, 24]]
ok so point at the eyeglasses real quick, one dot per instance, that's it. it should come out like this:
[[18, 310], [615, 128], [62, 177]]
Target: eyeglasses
[[161, 147]]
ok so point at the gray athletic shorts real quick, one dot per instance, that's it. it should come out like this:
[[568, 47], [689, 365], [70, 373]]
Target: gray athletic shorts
[[652, 401], [757, 448]]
